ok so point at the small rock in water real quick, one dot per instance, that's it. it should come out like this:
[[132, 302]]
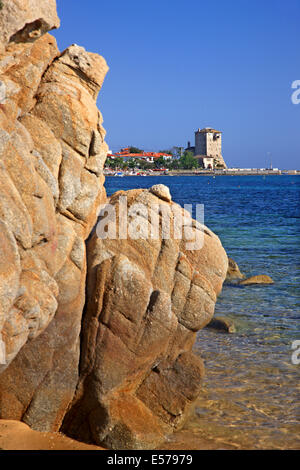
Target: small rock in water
[[161, 191], [223, 324], [260, 279], [233, 271]]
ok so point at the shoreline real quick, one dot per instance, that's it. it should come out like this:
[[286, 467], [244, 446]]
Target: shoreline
[[16, 436], [209, 173]]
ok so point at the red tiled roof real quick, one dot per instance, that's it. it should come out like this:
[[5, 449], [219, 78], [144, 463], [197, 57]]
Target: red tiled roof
[[124, 153]]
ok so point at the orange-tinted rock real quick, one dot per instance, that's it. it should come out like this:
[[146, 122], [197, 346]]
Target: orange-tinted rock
[[49, 194], [21, 68], [259, 279], [233, 271], [146, 298], [26, 20]]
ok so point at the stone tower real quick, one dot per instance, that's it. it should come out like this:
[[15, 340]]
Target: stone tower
[[208, 143]]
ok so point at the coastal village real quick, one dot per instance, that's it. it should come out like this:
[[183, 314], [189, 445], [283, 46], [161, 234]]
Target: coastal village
[[205, 154], [204, 157]]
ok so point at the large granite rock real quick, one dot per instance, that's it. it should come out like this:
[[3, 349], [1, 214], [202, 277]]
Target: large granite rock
[[146, 299], [52, 152], [26, 20]]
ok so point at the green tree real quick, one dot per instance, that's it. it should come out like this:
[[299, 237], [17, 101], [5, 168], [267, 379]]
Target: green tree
[[174, 164], [115, 163], [188, 161], [109, 162], [122, 164], [135, 150], [160, 162], [132, 163], [144, 165]]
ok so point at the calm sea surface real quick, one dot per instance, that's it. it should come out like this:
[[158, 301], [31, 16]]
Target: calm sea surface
[[251, 392]]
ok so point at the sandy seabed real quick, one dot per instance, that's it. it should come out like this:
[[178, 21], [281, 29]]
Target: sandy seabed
[[15, 435]]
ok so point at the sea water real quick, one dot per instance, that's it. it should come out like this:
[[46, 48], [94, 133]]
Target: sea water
[[250, 395]]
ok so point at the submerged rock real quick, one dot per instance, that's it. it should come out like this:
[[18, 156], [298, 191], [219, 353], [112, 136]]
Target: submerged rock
[[222, 324], [259, 279]]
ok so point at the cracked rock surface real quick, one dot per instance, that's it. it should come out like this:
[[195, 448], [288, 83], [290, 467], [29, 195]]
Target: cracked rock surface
[[52, 152], [146, 299]]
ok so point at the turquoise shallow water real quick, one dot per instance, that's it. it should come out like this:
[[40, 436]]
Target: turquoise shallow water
[[251, 391]]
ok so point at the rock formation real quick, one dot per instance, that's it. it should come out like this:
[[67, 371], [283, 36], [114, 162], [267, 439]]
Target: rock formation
[[259, 279], [52, 152], [222, 324], [233, 271], [146, 299], [133, 378], [26, 20]]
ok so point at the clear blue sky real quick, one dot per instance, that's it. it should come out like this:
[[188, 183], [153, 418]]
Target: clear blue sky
[[176, 65]]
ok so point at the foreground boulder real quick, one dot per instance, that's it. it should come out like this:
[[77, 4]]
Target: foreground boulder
[[52, 151], [146, 299]]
